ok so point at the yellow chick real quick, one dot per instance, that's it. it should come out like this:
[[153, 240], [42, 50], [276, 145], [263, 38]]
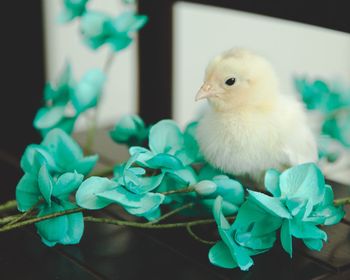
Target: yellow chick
[[250, 125]]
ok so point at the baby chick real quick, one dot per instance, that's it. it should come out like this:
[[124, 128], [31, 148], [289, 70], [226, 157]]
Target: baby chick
[[250, 125]]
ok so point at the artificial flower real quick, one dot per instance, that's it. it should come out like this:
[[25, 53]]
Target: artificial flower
[[227, 253], [98, 29], [97, 193], [87, 92], [302, 201], [51, 195], [231, 190], [55, 113], [130, 130], [61, 154], [72, 9]]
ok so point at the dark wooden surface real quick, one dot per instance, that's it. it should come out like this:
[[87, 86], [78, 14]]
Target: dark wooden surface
[[112, 252]]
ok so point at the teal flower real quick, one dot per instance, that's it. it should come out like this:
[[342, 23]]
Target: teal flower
[[87, 92], [227, 253], [167, 148], [98, 29], [61, 154], [130, 130], [66, 100], [302, 201], [51, 195], [55, 113], [72, 9], [97, 193], [338, 127], [231, 190]]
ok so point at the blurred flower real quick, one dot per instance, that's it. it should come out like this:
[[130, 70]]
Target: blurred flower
[[87, 92], [333, 102], [98, 29], [72, 9], [66, 100], [54, 192], [54, 114], [61, 154], [130, 130], [97, 193]]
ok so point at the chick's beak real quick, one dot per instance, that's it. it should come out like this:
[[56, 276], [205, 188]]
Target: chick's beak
[[205, 91]]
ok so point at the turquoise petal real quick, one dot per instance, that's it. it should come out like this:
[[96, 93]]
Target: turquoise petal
[[230, 189], [304, 181], [88, 90], [220, 255], [164, 161], [45, 183], [313, 244], [286, 237], [208, 172], [165, 137], [191, 145], [52, 230], [148, 204], [75, 225], [271, 204], [66, 184], [129, 22], [84, 165], [31, 162], [306, 230], [130, 130], [27, 192], [48, 117], [140, 184], [58, 141], [87, 195], [272, 182]]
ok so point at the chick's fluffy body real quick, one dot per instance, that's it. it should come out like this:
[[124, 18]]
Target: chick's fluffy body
[[250, 126]]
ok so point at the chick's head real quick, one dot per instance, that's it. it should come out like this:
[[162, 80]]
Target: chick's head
[[238, 79]]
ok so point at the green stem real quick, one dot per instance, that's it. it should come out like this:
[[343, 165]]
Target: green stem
[[25, 214], [9, 205], [171, 213], [93, 126], [39, 219], [148, 225], [342, 201], [7, 219], [196, 237], [184, 190]]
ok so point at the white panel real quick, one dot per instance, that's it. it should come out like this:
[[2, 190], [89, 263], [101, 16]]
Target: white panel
[[63, 42], [201, 32]]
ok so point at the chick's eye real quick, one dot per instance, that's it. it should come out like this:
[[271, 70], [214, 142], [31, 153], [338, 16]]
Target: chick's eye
[[230, 81]]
